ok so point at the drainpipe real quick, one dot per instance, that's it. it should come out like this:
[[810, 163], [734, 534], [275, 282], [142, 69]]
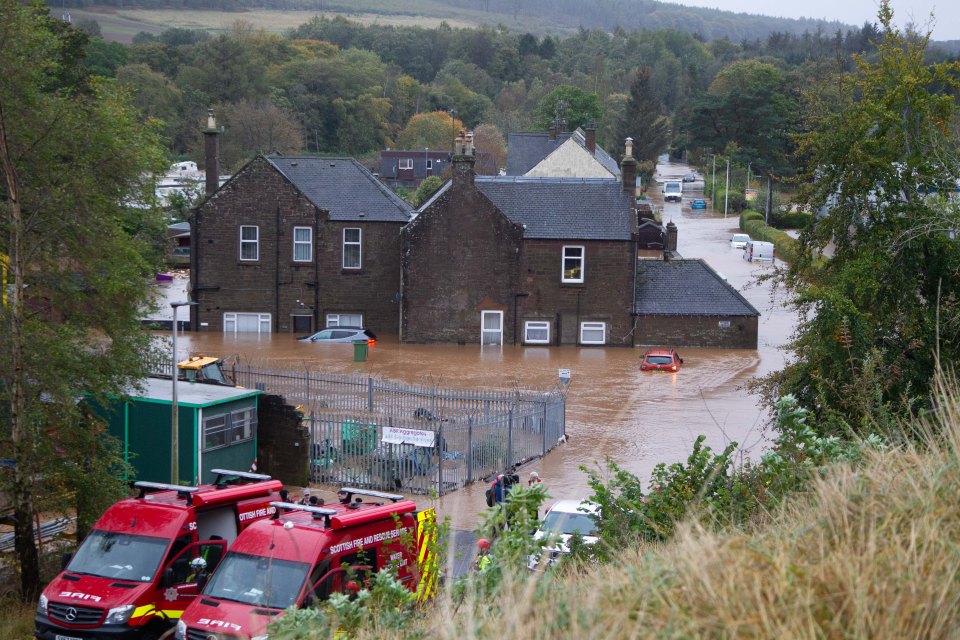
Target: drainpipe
[[516, 312], [633, 292], [316, 270], [276, 271]]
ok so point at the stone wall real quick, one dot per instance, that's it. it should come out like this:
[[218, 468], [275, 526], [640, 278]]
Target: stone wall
[[739, 332], [283, 443]]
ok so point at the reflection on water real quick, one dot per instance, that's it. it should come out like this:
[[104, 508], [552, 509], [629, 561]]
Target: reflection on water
[[614, 410]]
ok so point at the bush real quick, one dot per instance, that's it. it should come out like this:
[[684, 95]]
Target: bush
[[747, 216], [790, 220]]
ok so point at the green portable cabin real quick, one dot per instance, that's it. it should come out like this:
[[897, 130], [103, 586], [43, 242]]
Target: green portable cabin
[[217, 428]]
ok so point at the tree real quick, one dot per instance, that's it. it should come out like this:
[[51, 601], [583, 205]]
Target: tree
[[644, 122], [427, 188], [572, 104], [491, 149], [878, 316], [72, 152], [257, 126], [434, 130], [748, 105]]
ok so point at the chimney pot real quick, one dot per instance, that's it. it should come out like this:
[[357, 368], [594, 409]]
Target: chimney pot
[[211, 145], [629, 147]]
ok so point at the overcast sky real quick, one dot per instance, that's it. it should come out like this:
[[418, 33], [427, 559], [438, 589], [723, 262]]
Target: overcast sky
[[855, 12]]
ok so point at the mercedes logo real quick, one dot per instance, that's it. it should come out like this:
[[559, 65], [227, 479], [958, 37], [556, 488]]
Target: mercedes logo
[[71, 614]]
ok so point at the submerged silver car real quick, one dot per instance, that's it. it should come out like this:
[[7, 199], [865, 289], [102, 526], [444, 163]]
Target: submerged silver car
[[340, 334]]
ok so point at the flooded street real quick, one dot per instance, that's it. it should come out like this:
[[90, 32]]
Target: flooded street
[[614, 410]]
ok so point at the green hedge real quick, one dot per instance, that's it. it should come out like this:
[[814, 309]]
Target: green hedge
[[794, 220], [787, 248]]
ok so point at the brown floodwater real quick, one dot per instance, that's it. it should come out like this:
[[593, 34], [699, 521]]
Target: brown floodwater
[[614, 410]]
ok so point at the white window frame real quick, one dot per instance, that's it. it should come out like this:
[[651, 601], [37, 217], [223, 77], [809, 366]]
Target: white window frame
[[333, 319], [248, 241], [583, 263], [230, 322], [593, 326], [232, 428], [358, 244], [405, 164], [484, 331], [429, 164], [536, 325], [307, 244]]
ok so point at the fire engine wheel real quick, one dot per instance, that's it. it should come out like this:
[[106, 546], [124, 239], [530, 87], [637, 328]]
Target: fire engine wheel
[[167, 634]]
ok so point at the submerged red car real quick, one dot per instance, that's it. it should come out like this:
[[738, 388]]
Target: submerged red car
[[661, 360]]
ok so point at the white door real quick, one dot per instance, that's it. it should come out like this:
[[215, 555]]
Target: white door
[[491, 327]]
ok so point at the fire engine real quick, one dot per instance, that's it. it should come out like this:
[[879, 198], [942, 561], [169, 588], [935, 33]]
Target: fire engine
[[304, 554], [132, 575]]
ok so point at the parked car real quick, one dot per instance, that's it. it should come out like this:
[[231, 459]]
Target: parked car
[[739, 240], [699, 203], [661, 360], [690, 177], [757, 251], [341, 334], [563, 520]]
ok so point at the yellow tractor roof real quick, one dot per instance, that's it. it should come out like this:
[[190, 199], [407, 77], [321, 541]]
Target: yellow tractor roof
[[197, 362]]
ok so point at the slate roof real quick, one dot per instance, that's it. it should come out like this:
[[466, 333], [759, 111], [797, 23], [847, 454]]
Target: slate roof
[[526, 149], [562, 208], [343, 187], [686, 288]]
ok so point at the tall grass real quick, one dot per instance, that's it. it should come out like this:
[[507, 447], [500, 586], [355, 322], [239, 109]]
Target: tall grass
[[871, 551]]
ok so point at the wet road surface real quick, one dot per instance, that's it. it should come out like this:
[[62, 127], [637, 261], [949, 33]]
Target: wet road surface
[[614, 410]]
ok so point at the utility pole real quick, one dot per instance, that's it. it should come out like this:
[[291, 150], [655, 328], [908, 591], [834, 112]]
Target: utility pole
[[766, 219], [726, 191], [748, 174]]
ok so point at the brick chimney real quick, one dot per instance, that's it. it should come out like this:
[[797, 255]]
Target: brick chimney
[[590, 137], [464, 157], [211, 144], [671, 244], [553, 128], [628, 170]]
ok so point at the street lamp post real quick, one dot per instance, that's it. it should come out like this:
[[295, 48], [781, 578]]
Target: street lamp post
[[726, 192], [749, 164], [713, 189], [426, 155], [174, 422]]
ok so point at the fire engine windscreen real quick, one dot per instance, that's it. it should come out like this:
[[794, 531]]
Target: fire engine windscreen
[[121, 556], [257, 580]]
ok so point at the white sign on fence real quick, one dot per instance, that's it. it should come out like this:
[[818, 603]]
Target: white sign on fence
[[416, 437]]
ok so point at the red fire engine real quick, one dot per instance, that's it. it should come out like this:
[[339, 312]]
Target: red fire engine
[[132, 576], [306, 553]]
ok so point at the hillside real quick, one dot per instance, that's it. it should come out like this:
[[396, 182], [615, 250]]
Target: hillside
[[535, 16]]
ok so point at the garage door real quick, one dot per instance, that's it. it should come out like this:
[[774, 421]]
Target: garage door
[[246, 323]]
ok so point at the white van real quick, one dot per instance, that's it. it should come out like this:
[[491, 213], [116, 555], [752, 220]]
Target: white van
[[757, 251], [672, 190]]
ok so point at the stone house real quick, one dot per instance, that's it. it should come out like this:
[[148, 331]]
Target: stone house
[[534, 261], [557, 154], [293, 244], [685, 303]]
